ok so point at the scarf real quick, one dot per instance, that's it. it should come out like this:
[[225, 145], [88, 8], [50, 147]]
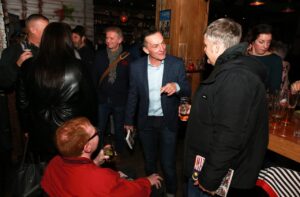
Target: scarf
[[113, 56]]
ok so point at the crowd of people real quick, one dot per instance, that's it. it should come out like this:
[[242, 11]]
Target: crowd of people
[[67, 94]]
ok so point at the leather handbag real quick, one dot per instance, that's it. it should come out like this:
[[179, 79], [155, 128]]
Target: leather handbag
[[28, 176]]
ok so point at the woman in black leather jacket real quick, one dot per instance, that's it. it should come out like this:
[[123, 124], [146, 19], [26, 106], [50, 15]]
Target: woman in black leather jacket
[[53, 88]]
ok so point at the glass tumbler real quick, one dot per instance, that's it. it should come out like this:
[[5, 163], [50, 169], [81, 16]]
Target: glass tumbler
[[184, 108], [296, 119]]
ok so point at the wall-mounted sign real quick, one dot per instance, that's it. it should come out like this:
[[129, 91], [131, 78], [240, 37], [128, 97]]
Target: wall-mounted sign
[[165, 22]]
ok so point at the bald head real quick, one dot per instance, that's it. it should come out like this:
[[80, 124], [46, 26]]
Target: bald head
[[35, 25]]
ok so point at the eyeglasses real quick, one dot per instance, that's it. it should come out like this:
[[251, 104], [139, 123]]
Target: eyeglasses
[[95, 134]]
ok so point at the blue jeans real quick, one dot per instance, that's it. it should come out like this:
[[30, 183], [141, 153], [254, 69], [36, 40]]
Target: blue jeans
[[156, 135], [118, 113], [195, 191]]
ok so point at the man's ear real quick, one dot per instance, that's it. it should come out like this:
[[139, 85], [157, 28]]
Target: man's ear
[[87, 148], [32, 29], [121, 40], [216, 48], [145, 50], [219, 49]]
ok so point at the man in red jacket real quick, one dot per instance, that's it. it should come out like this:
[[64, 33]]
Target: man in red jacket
[[75, 174]]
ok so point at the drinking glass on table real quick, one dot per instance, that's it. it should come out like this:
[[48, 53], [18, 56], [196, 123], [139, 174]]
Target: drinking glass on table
[[296, 119], [278, 102], [292, 100]]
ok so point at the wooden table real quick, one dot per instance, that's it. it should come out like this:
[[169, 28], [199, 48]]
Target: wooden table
[[288, 146]]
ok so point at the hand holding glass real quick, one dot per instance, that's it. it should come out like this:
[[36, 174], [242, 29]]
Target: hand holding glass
[[109, 152]]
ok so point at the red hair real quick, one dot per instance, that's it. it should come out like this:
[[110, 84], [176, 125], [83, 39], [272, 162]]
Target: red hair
[[72, 136]]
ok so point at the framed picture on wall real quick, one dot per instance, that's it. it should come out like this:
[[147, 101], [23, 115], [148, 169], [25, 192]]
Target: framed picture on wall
[[165, 23]]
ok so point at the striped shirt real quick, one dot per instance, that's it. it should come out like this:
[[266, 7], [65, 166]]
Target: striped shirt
[[279, 182]]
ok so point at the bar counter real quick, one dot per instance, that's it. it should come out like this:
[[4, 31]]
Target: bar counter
[[288, 146]]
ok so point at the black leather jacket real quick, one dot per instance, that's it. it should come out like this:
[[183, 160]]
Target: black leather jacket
[[43, 108]]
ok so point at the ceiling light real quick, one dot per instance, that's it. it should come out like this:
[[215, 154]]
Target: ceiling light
[[288, 8], [257, 3]]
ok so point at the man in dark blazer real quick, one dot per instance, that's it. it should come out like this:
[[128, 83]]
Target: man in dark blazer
[[157, 82]]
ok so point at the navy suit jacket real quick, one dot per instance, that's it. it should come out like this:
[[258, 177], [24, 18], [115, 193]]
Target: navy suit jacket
[[138, 95]]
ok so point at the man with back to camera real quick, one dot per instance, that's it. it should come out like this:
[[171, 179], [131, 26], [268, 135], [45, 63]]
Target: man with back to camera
[[157, 81], [13, 56], [11, 60], [228, 123], [74, 173]]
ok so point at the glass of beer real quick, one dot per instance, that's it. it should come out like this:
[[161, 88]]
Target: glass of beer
[[292, 100], [184, 108], [278, 103], [109, 151]]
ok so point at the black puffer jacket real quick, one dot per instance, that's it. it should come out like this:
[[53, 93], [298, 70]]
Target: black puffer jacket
[[228, 123], [44, 108]]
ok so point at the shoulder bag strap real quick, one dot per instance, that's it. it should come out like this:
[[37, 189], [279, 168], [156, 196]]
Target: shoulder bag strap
[[114, 63]]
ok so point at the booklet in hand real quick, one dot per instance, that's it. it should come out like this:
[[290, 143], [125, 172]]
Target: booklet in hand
[[224, 186], [130, 138]]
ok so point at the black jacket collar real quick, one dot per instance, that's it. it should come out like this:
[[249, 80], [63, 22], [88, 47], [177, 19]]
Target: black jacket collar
[[236, 57]]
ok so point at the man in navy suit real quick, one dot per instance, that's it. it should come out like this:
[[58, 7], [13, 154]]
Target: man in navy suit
[[157, 82]]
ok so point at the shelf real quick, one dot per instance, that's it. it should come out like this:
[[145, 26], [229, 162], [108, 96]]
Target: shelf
[[138, 21]]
